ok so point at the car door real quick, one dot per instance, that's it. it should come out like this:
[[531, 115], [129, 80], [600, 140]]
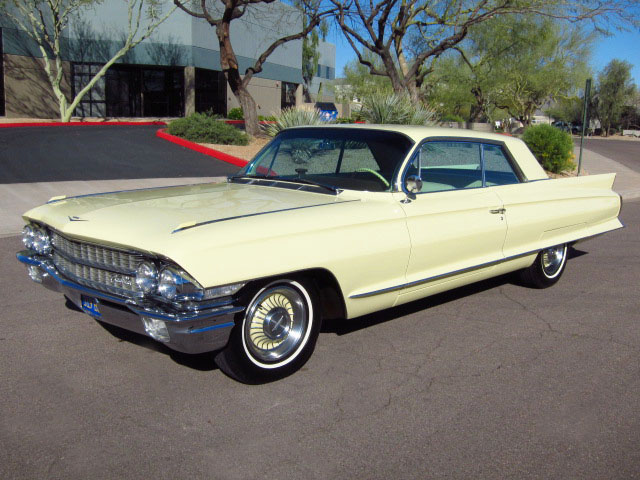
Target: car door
[[455, 224]]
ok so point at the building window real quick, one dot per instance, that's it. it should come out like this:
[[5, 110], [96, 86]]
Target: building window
[[2, 112], [211, 94], [130, 91], [288, 98]]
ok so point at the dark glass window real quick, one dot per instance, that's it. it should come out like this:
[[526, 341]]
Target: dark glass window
[[211, 92], [163, 92], [288, 98], [2, 112], [123, 91]]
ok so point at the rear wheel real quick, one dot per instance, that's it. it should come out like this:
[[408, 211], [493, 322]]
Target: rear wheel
[[277, 334], [547, 268]]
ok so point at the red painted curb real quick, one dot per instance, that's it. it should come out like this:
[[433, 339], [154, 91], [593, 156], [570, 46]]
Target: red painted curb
[[75, 124], [238, 162]]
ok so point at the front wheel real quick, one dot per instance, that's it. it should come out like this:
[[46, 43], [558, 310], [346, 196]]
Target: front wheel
[[276, 336], [547, 267]]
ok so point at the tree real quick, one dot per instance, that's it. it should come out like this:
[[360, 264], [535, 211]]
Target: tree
[[512, 64], [547, 65], [358, 83], [408, 35], [614, 90], [46, 22], [220, 14], [311, 56]]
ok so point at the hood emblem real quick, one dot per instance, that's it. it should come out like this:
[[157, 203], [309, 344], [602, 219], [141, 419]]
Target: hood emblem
[[77, 219]]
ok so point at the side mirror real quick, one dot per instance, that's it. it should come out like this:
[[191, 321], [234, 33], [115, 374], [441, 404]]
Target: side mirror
[[413, 184]]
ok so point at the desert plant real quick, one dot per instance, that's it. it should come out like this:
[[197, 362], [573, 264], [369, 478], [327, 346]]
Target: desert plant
[[202, 128], [293, 117], [235, 114], [395, 108], [552, 147]]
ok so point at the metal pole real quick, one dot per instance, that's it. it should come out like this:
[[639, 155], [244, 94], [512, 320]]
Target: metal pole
[[585, 108]]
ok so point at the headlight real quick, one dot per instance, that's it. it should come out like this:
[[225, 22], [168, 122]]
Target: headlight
[[147, 277], [27, 236], [41, 242], [177, 284], [168, 286]]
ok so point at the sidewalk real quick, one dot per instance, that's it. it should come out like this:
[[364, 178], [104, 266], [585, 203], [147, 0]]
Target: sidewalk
[[627, 182], [17, 198]]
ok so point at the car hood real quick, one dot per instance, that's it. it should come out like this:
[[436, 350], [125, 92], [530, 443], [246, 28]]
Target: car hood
[[144, 219]]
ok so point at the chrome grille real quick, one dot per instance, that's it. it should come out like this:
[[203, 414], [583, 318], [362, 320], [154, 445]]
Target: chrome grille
[[99, 279], [96, 255]]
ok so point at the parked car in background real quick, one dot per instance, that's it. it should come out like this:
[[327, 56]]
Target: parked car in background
[[325, 223], [564, 126]]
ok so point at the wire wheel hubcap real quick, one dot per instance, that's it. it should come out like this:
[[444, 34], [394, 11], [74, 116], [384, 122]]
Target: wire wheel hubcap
[[276, 323], [552, 260]]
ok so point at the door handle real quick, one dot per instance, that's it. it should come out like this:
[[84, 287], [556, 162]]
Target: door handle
[[500, 211]]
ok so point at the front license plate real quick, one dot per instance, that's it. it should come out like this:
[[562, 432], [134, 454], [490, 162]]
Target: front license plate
[[90, 306]]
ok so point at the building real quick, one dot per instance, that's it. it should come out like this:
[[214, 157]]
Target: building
[[173, 73]]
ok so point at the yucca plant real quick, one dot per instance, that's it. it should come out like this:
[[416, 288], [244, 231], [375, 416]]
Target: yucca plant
[[293, 117], [395, 108]]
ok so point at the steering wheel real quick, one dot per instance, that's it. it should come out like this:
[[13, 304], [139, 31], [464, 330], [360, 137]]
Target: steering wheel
[[373, 172]]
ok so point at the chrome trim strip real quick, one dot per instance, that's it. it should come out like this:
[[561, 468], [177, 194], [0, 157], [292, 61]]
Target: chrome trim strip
[[212, 327], [462, 270], [256, 214], [124, 191]]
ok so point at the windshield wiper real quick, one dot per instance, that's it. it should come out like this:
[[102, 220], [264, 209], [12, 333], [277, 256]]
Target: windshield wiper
[[231, 178], [306, 181]]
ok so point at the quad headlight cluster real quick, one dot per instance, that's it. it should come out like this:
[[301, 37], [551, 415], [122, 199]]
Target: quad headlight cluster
[[36, 238], [174, 284]]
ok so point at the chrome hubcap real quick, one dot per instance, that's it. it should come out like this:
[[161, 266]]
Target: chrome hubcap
[[552, 259], [276, 323]]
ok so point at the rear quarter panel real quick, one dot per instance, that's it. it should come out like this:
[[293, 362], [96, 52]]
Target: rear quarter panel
[[549, 212]]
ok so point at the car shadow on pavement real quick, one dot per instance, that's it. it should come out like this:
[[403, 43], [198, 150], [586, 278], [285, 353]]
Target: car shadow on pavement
[[203, 361], [341, 326]]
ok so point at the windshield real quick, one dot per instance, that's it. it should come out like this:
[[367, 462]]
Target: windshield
[[341, 158]]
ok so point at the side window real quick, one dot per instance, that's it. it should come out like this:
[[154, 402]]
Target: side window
[[448, 166], [498, 170]]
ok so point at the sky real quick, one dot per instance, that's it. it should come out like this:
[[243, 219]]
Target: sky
[[621, 45]]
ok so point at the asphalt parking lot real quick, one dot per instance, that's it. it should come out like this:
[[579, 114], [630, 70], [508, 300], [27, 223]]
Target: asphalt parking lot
[[489, 381], [56, 154]]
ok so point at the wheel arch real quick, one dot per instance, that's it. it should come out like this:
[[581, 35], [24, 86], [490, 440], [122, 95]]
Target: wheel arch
[[330, 297]]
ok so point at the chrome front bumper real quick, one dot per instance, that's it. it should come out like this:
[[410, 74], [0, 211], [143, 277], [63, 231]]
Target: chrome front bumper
[[189, 332]]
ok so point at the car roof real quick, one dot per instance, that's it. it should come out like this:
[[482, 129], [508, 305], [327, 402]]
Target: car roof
[[417, 133]]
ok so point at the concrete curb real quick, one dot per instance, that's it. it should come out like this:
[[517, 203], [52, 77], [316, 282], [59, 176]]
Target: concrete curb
[[223, 157]]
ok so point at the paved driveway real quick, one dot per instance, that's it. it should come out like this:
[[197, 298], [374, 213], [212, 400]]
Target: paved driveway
[[56, 154], [489, 381]]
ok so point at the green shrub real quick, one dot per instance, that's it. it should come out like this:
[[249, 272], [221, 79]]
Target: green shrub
[[202, 128], [293, 117], [552, 147], [395, 108], [452, 117], [235, 114], [269, 118], [345, 120]]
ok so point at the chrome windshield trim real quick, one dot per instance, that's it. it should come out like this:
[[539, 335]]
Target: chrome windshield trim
[[208, 222]]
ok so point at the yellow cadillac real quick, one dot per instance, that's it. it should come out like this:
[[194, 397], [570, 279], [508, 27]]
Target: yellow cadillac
[[325, 222]]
